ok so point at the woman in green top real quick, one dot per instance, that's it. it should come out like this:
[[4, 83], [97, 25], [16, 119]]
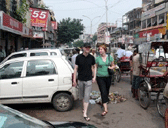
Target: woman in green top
[[103, 62]]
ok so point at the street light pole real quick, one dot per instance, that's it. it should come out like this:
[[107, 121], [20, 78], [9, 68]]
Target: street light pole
[[106, 14], [91, 22]]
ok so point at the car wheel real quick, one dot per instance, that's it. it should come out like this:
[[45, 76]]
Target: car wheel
[[62, 102]]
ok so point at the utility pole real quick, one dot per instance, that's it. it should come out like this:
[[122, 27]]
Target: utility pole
[[106, 14], [91, 22], [106, 33]]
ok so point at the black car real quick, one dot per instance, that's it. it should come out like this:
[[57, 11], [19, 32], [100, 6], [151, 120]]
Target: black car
[[10, 118]]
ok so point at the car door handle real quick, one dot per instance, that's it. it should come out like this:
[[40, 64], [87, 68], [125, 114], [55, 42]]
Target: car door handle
[[14, 83], [50, 79]]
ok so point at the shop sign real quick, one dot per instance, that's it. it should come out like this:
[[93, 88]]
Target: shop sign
[[37, 34], [152, 12], [25, 31], [54, 25], [158, 1], [39, 17], [152, 32], [10, 23]]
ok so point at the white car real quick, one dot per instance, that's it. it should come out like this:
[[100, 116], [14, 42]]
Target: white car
[[34, 52], [38, 80], [160, 54]]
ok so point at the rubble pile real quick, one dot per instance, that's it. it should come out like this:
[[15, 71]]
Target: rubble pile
[[114, 97]]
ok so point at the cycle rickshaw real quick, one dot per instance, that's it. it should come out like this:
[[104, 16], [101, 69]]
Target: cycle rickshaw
[[152, 83]]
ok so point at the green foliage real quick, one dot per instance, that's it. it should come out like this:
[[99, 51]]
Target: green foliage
[[22, 11], [43, 6], [69, 30], [94, 38], [78, 43]]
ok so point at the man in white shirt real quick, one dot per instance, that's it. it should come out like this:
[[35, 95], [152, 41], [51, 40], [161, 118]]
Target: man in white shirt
[[120, 52], [128, 53], [2, 53], [73, 58]]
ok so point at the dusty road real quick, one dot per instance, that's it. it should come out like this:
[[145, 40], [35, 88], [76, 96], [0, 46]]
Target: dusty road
[[127, 114]]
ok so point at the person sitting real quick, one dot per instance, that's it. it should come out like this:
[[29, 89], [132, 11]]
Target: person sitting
[[120, 52], [128, 53]]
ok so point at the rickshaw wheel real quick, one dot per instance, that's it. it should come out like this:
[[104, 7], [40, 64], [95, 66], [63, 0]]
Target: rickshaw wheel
[[161, 104], [118, 75], [144, 95]]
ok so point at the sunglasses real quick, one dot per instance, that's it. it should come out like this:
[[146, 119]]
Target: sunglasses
[[88, 47]]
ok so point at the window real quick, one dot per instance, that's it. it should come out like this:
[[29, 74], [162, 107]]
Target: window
[[154, 21], [18, 55], [144, 24], [39, 54], [12, 70], [40, 67], [53, 53], [148, 22], [161, 18]]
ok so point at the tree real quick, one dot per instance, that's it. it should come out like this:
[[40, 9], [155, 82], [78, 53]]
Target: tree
[[94, 37], [78, 43], [69, 30], [22, 11], [3, 5]]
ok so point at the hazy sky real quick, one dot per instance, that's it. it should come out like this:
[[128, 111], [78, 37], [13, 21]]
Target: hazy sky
[[92, 9]]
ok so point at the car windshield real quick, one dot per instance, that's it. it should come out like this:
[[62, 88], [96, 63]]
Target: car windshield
[[11, 118], [161, 51]]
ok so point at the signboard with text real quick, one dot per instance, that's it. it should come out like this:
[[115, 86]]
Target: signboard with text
[[152, 32], [11, 23], [39, 17], [158, 1], [152, 12], [38, 34], [54, 25]]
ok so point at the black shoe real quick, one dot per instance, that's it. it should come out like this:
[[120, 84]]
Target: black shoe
[[112, 83]]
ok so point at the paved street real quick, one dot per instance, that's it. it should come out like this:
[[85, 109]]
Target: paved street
[[126, 114]]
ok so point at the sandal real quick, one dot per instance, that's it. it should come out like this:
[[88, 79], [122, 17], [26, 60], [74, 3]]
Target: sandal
[[87, 118], [104, 113]]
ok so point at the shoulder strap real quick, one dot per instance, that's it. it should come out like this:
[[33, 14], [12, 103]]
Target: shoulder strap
[[109, 59]]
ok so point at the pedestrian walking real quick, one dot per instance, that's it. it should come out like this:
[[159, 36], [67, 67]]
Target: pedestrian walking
[[11, 50], [93, 52], [103, 62], [135, 72], [85, 64], [2, 53], [73, 58]]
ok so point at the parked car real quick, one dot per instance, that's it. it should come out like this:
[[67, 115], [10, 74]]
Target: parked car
[[11, 118], [38, 80], [34, 52], [160, 54]]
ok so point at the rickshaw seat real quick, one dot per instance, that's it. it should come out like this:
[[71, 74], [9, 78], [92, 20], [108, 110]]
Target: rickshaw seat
[[162, 75]]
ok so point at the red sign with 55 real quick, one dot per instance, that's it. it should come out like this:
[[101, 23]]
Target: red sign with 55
[[39, 17]]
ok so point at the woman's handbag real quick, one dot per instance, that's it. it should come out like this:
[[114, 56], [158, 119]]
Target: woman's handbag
[[110, 71]]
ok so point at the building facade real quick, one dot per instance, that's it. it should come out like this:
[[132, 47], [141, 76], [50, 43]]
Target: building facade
[[102, 35], [154, 23]]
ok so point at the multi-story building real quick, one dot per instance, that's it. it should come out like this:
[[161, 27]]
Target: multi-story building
[[16, 25], [132, 20], [154, 22], [14, 28], [102, 34]]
